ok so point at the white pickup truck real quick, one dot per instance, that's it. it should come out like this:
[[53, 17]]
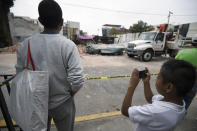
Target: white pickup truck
[[151, 44]]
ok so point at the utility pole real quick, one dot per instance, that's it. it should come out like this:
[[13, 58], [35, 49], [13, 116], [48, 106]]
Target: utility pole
[[170, 13], [98, 31]]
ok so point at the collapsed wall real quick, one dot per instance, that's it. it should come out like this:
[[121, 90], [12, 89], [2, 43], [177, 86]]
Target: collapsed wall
[[23, 27]]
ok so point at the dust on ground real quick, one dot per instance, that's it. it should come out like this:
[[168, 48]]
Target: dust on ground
[[8, 58], [98, 60]]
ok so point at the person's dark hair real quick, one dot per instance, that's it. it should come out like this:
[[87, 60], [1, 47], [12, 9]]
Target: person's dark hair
[[50, 14], [180, 73]]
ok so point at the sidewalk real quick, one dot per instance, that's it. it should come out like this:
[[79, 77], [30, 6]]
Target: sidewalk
[[121, 123]]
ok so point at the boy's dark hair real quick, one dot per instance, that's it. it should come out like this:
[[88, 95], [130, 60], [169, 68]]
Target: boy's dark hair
[[50, 14], [180, 73]]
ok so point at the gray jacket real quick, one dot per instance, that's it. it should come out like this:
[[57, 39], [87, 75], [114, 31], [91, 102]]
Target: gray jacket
[[60, 57]]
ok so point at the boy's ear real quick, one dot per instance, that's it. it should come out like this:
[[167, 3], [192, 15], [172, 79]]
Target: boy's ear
[[62, 22], [169, 88], [40, 20]]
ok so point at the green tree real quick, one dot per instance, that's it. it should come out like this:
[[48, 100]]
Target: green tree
[[81, 32], [5, 36], [141, 27], [114, 32]]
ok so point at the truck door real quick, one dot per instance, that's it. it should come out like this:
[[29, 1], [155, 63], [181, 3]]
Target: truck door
[[159, 42]]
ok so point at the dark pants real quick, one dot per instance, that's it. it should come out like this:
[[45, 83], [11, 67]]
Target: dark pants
[[63, 116]]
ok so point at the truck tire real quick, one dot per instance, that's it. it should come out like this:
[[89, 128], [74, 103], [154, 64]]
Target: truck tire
[[130, 55], [147, 55]]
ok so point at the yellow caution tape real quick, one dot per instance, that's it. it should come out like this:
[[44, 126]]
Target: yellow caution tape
[[102, 78], [112, 77]]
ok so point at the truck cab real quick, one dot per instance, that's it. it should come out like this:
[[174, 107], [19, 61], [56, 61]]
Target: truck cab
[[149, 44]]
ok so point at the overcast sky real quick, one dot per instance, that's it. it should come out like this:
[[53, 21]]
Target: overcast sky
[[92, 14]]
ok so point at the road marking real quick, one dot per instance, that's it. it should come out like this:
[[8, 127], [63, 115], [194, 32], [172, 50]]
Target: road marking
[[3, 124], [96, 116], [79, 118]]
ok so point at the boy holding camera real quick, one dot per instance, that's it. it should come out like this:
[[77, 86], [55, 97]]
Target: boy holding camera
[[164, 111]]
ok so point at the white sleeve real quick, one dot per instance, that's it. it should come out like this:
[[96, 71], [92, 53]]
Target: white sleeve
[[157, 97], [141, 114]]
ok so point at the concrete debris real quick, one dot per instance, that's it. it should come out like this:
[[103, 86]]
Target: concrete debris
[[11, 49], [111, 49], [82, 50]]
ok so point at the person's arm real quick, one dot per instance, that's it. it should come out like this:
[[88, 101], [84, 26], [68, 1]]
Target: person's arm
[[147, 90], [134, 80], [75, 71]]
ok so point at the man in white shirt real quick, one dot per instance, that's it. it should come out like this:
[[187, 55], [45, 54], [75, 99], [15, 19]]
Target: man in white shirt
[[165, 111], [59, 56]]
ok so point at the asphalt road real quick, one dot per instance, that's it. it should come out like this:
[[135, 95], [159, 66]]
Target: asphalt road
[[105, 96]]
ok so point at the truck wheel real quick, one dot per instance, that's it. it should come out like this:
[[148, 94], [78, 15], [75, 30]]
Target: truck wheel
[[147, 55], [130, 55]]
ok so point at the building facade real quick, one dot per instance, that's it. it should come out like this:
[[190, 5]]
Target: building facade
[[71, 29]]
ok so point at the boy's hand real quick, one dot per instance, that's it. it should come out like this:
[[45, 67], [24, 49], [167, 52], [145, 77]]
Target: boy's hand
[[147, 90], [147, 78], [134, 80]]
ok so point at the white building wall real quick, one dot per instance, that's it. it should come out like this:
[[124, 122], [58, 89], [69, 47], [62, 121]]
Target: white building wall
[[125, 38], [192, 29]]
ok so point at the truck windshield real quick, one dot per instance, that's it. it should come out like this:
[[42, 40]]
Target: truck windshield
[[147, 36]]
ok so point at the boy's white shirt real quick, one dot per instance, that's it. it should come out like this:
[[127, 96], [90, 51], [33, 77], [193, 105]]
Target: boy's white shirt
[[158, 116]]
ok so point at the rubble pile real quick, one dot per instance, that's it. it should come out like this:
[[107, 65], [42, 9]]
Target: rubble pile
[[103, 49], [11, 49], [82, 49]]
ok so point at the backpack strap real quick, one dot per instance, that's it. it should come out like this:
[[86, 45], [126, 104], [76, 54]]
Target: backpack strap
[[29, 57]]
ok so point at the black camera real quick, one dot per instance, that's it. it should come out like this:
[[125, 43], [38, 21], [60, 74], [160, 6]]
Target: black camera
[[142, 74]]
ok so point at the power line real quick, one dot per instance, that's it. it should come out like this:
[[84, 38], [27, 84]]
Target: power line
[[120, 11], [110, 10]]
